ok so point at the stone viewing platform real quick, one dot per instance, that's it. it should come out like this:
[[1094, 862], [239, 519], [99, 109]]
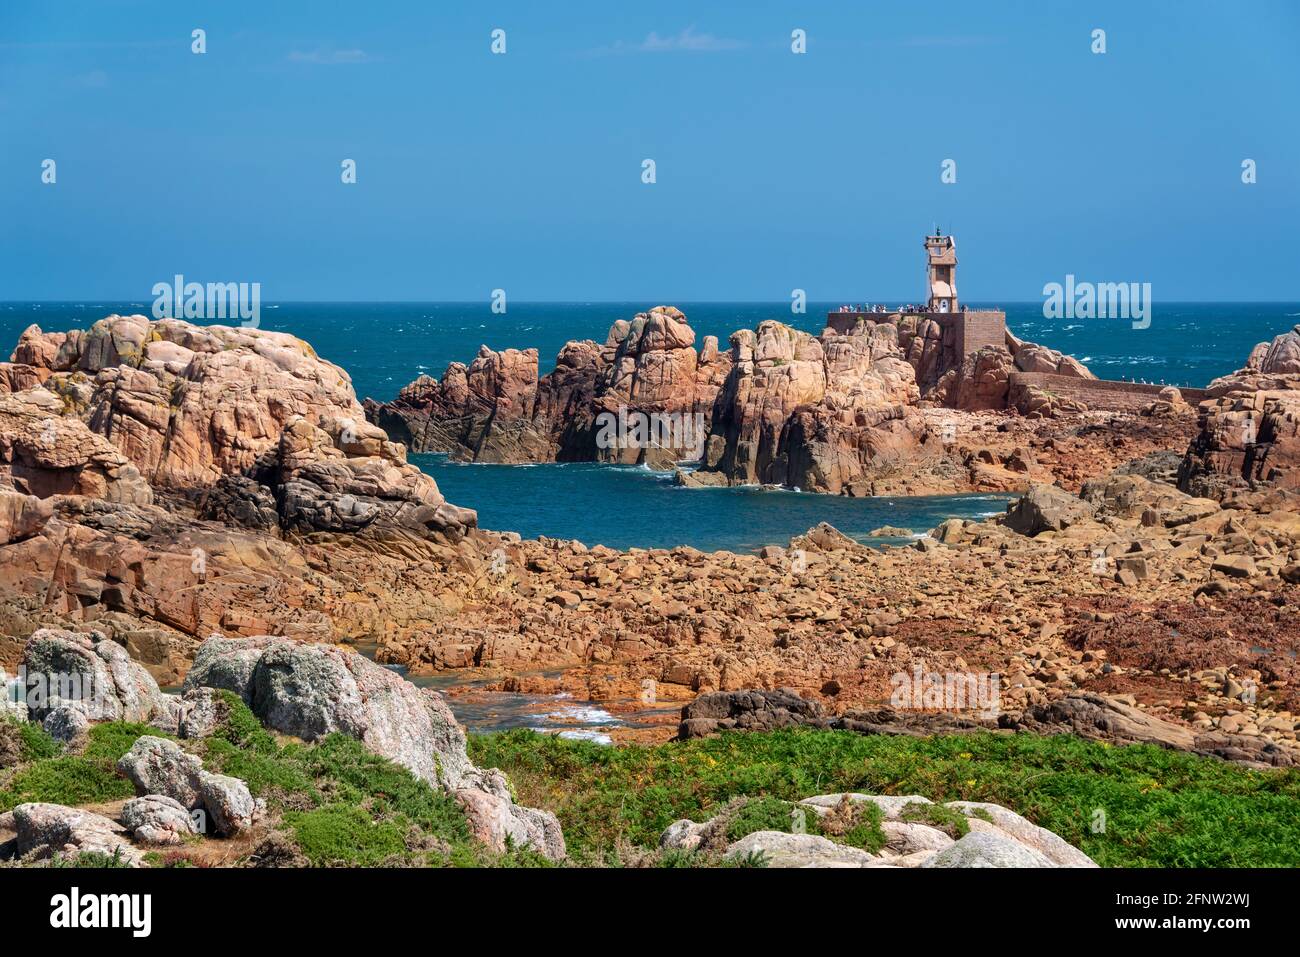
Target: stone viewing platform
[[962, 331], [951, 334]]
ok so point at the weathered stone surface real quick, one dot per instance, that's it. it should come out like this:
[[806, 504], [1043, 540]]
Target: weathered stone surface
[[66, 723], [911, 837], [187, 403], [747, 710], [159, 766], [347, 478], [683, 835], [982, 381], [1046, 508], [496, 821], [1247, 440], [891, 805], [497, 410], [200, 711], [1097, 716], [93, 672], [313, 690], [798, 850], [985, 849], [228, 802], [67, 830], [1050, 845], [44, 452], [21, 516], [157, 819], [1154, 503]]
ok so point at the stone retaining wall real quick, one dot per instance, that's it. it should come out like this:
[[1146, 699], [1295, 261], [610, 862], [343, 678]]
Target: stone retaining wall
[[1103, 394]]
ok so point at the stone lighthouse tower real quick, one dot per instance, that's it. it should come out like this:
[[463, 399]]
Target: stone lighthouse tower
[[941, 272]]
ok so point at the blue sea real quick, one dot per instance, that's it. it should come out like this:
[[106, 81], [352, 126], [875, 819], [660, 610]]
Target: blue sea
[[385, 345]]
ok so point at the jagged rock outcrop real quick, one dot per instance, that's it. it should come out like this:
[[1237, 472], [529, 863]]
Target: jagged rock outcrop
[[186, 403], [825, 415], [192, 407], [348, 478], [1272, 366], [834, 413], [982, 380], [497, 410], [1031, 357], [1249, 427], [44, 452]]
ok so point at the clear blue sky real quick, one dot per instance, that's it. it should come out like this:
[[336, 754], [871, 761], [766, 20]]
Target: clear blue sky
[[523, 171]]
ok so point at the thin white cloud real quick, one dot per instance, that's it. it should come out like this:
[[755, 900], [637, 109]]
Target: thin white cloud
[[325, 57], [685, 41]]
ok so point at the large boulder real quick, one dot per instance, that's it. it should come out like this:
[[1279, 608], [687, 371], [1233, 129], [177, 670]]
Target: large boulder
[[347, 478], [228, 802], [157, 819], [53, 828], [1052, 846], [780, 849], [1046, 508], [159, 766], [498, 822], [311, 690], [97, 675], [750, 710], [188, 403], [1101, 717], [988, 849]]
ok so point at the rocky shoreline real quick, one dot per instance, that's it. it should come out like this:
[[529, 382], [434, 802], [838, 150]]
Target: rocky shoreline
[[165, 486], [860, 412]]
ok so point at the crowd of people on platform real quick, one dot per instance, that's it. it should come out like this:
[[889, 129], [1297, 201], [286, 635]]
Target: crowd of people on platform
[[877, 307]]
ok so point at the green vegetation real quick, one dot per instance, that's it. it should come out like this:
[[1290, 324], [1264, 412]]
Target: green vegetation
[[950, 821], [770, 814], [95, 859], [87, 778], [343, 805], [345, 834], [335, 803], [1161, 808], [32, 742]]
